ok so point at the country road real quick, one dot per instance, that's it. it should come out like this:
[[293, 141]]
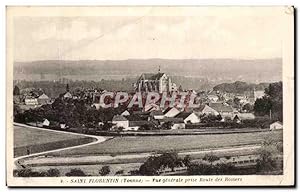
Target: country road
[[19, 160]]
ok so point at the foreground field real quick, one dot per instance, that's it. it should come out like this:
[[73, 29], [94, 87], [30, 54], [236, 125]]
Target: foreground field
[[33, 140], [123, 145]]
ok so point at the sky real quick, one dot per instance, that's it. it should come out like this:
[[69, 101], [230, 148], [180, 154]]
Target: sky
[[148, 35]]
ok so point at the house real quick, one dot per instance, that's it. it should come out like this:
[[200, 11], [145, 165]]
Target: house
[[171, 112], [31, 101], [130, 123], [67, 95], [206, 110], [213, 98], [131, 128], [246, 116], [236, 119], [151, 107], [158, 82], [276, 126], [96, 105], [255, 94], [100, 123], [46, 123], [43, 99], [258, 94], [63, 126], [226, 111], [228, 96], [120, 121], [243, 99], [125, 113], [136, 125], [188, 117], [176, 123]]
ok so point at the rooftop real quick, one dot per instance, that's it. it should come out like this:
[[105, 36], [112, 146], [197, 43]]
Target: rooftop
[[183, 115], [119, 118], [220, 107], [151, 76]]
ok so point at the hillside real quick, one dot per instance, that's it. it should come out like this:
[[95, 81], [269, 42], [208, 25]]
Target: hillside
[[240, 87], [262, 70]]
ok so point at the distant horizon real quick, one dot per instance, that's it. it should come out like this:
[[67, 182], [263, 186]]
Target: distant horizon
[[244, 59], [188, 71]]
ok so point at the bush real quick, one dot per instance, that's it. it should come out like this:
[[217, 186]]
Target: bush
[[134, 172], [75, 173], [120, 172], [268, 152], [208, 169], [279, 147], [31, 173], [53, 173], [104, 171], [227, 157], [155, 163], [187, 160], [210, 158]]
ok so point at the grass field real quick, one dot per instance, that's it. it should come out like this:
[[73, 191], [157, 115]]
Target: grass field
[[123, 145], [39, 140]]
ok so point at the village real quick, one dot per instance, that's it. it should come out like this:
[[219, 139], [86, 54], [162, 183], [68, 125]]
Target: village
[[211, 109]]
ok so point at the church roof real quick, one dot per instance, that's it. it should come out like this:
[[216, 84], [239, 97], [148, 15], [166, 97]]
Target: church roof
[[151, 76]]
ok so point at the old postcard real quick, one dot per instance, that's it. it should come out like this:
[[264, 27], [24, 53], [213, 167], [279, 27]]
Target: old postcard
[[150, 96]]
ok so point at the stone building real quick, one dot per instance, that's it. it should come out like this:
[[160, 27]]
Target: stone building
[[159, 82]]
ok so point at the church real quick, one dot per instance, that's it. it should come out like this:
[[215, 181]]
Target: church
[[151, 82]]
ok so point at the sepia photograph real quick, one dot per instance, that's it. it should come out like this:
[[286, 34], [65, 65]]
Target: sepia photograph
[[150, 96]]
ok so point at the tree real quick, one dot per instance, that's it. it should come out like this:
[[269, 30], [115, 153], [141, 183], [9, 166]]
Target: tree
[[105, 170], [170, 160], [30, 173], [267, 156], [147, 127], [274, 91], [209, 169], [262, 106], [248, 107], [211, 118], [150, 167], [16, 90], [167, 125], [75, 173], [155, 163], [271, 103], [210, 158], [67, 88], [237, 103], [238, 87], [120, 172], [53, 173], [187, 160]]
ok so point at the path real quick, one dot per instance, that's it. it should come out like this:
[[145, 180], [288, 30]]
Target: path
[[19, 160]]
